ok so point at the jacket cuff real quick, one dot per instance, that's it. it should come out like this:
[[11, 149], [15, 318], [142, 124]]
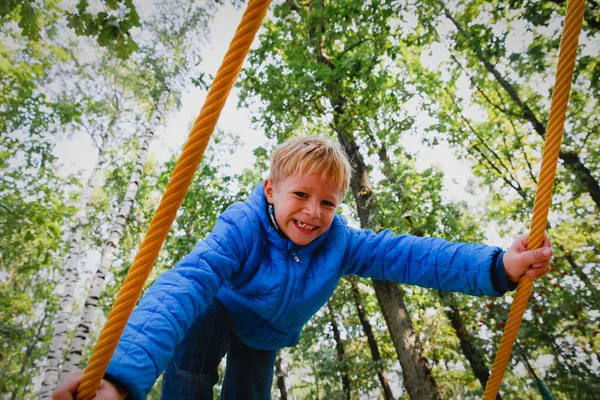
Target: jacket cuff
[[118, 384], [499, 280]]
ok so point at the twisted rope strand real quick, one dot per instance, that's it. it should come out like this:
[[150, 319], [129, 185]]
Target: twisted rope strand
[[554, 131], [175, 192]]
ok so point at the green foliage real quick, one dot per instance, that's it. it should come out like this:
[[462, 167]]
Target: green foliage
[[111, 27], [28, 17], [32, 212], [51, 91], [494, 116], [471, 74], [25, 66], [207, 198]]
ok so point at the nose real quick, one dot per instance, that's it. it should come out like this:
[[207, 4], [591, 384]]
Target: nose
[[313, 209]]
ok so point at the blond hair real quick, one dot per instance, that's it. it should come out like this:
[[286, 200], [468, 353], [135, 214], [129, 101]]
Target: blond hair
[[309, 154]]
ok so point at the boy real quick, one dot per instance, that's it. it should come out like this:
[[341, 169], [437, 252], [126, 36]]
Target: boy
[[268, 265]]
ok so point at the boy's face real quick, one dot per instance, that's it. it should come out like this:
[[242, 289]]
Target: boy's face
[[304, 205]]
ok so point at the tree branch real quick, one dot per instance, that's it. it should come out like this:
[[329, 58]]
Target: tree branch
[[515, 183]]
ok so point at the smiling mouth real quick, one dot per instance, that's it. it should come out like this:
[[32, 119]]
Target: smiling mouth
[[305, 226]]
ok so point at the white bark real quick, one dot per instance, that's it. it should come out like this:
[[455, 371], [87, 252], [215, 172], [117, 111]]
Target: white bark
[[61, 324], [116, 231]]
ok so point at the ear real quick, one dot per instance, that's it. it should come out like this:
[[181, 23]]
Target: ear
[[269, 190]]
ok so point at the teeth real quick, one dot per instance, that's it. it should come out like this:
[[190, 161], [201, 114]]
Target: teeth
[[305, 226]]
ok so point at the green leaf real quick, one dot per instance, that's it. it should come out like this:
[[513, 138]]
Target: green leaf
[[125, 47], [75, 22], [29, 21], [82, 5], [133, 18], [112, 4]]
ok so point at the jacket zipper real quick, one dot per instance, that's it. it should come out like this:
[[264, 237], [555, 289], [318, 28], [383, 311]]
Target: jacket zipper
[[290, 287], [295, 255]]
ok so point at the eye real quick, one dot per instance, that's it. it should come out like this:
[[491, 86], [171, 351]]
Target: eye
[[328, 204], [301, 194]]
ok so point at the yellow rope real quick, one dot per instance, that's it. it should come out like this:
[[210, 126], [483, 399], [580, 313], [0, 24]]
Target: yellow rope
[[554, 131], [173, 197]]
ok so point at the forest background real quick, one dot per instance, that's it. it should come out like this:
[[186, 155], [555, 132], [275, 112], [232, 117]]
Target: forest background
[[399, 84]]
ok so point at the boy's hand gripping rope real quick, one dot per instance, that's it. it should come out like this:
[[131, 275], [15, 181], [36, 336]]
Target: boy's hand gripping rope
[[175, 192], [554, 131], [189, 160]]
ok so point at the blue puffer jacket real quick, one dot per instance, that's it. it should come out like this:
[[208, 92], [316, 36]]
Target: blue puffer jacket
[[271, 287]]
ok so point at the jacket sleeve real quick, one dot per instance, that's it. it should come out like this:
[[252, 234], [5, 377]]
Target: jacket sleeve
[[424, 261], [175, 300]]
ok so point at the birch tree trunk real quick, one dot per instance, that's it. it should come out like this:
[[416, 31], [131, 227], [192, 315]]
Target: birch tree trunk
[[115, 234], [61, 325]]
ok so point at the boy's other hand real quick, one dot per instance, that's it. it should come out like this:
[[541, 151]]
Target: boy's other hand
[[535, 263], [67, 388]]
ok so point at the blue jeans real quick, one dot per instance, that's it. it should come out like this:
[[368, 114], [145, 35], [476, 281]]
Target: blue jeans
[[193, 370]]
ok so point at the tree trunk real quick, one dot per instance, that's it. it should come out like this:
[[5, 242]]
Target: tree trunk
[[570, 159], [471, 352], [5, 370], [418, 380], [280, 377], [61, 324], [339, 346], [417, 376], [368, 329], [116, 231]]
